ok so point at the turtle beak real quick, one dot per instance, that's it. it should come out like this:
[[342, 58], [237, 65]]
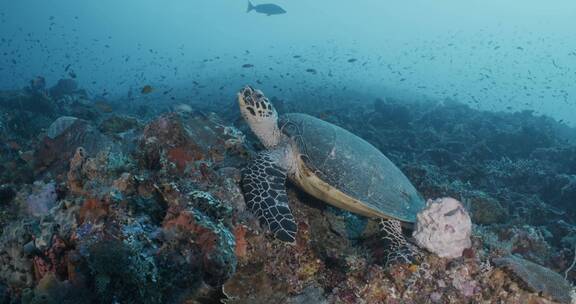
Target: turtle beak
[[245, 102], [241, 101], [241, 94]]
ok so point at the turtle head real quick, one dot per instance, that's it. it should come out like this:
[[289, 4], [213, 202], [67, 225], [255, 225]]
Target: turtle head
[[255, 107], [260, 115]]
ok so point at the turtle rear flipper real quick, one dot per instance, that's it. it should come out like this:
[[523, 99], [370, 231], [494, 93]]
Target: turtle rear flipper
[[264, 187]]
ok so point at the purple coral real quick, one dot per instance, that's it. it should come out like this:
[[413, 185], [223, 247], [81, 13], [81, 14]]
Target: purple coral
[[41, 201]]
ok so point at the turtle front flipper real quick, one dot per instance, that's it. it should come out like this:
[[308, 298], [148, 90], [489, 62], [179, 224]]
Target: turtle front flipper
[[264, 187]]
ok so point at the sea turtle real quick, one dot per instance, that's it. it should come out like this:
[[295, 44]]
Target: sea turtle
[[324, 160]]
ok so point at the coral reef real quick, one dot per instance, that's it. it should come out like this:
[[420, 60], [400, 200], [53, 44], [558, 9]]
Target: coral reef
[[42, 200], [99, 204]]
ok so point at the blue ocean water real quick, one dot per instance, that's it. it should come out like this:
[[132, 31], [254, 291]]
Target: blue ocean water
[[122, 148], [489, 54]]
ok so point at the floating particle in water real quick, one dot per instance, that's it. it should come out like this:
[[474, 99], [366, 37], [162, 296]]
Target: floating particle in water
[[146, 89]]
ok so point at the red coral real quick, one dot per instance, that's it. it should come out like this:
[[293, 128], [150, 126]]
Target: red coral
[[469, 253], [92, 211], [180, 157], [41, 267], [241, 244], [52, 260], [184, 221]]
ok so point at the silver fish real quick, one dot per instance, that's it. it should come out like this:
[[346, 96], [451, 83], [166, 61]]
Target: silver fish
[[268, 9]]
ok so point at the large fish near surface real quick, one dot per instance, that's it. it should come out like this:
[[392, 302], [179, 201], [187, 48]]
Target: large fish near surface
[[268, 9]]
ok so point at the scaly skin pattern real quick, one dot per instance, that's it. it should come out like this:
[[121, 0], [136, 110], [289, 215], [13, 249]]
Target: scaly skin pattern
[[263, 184]]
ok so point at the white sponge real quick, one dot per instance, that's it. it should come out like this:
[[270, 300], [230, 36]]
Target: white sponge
[[444, 228]]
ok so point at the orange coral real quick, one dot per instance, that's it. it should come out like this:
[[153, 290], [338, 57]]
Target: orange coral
[[184, 220], [180, 157], [93, 210], [241, 244], [178, 219]]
